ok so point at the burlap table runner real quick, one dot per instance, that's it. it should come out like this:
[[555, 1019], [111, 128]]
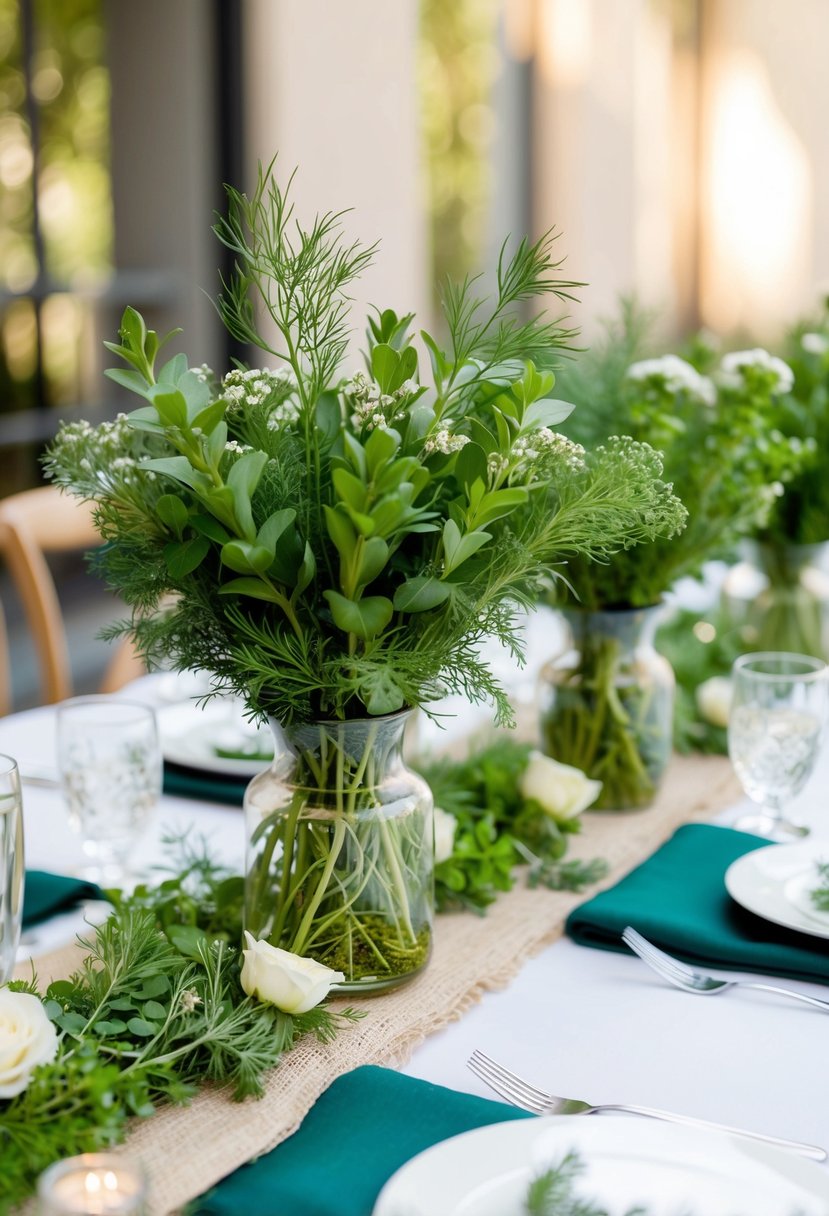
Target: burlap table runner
[[187, 1151]]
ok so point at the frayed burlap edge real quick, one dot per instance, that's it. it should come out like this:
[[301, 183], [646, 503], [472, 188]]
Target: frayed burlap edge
[[187, 1151]]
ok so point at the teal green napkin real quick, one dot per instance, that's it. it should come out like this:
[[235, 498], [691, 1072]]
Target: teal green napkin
[[677, 899], [209, 787], [47, 894], [363, 1128]]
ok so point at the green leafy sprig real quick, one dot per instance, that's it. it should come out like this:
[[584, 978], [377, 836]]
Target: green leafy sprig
[[499, 829], [820, 895]]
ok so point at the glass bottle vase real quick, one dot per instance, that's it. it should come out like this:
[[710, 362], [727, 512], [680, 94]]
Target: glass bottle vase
[[607, 704], [779, 596], [340, 852]]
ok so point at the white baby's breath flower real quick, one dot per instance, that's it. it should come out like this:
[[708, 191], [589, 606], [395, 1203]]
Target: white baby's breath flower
[[445, 442], [290, 982], [189, 999], [561, 790], [733, 364], [714, 698], [677, 375], [445, 826], [27, 1038], [815, 344]]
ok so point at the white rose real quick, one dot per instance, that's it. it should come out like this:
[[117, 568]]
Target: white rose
[[445, 825], [27, 1038], [293, 983], [714, 700], [559, 789]]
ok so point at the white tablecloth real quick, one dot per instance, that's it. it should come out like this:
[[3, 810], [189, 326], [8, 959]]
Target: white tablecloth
[[579, 1022]]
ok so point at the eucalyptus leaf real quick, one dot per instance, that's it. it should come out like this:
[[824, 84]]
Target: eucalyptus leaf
[[420, 594]]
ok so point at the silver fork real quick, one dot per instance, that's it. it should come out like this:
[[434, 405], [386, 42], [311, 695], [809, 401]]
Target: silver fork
[[520, 1093], [691, 980]]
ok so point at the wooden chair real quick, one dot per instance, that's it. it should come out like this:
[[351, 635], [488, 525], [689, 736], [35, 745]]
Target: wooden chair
[[33, 523]]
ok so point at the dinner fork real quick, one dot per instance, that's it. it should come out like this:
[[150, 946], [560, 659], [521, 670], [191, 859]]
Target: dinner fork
[[520, 1093], [691, 980]]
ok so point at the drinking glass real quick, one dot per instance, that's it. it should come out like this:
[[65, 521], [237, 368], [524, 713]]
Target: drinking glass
[[774, 732], [109, 761], [11, 864]]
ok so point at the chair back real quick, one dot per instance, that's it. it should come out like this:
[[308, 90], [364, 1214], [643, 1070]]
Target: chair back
[[33, 523]]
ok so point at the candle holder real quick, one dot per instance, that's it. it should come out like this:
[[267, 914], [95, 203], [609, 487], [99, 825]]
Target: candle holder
[[93, 1184]]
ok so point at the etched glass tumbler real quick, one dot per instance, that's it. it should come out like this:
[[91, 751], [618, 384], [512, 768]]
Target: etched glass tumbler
[[110, 769], [11, 864]]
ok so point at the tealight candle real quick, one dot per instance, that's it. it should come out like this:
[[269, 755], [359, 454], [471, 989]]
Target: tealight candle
[[94, 1184]]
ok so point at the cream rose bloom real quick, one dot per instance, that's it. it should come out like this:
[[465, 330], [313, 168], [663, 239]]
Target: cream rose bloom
[[27, 1038], [290, 982], [559, 789], [445, 825], [714, 700]]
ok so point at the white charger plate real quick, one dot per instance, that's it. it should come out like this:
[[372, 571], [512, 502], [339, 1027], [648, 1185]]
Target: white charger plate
[[775, 882], [190, 735], [666, 1167]]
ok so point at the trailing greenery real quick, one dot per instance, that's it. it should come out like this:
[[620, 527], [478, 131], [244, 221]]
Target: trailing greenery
[[498, 828], [155, 1010], [332, 547]]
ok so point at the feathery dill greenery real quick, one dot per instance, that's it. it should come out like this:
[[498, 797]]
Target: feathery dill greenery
[[332, 547], [498, 828], [554, 1192], [154, 1011]]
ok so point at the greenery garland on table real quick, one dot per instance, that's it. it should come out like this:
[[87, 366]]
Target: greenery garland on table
[[509, 806], [161, 1002], [156, 1009]]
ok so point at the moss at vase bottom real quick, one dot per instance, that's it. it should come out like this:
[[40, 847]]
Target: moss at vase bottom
[[371, 949]]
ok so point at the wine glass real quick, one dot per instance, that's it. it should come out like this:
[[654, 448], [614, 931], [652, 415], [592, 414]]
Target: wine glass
[[774, 731], [110, 767], [11, 865]]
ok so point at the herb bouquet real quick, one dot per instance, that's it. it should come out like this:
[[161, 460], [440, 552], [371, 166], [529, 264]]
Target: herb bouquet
[[334, 549], [781, 593], [609, 703]]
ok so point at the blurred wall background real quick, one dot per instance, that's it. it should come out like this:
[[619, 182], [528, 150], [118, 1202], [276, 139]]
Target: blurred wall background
[[679, 146]]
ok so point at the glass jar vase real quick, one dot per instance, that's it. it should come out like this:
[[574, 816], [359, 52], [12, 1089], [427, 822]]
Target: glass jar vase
[[340, 852], [607, 704], [779, 596]]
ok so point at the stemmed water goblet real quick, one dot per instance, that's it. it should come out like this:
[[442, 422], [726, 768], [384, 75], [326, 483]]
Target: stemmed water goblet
[[775, 727], [110, 767]]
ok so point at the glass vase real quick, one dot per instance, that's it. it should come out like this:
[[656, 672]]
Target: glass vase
[[779, 596], [340, 853], [607, 705]]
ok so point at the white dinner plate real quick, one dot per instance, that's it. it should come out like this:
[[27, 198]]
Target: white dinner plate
[[775, 883], [665, 1167], [195, 736]]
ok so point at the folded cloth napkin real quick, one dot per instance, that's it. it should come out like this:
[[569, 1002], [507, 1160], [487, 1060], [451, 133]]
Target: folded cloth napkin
[[364, 1127], [677, 899], [209, 787], [47, 894]]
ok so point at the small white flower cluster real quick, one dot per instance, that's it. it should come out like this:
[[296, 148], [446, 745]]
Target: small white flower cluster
[[205, 374], [372, 407], [815, 344], [269, 389], [445, 442], [106, 444], [733, 365], [557, 448], [677, 376], [233, 445]]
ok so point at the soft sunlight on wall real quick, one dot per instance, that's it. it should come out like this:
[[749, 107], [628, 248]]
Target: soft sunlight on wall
[[757, 203]]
